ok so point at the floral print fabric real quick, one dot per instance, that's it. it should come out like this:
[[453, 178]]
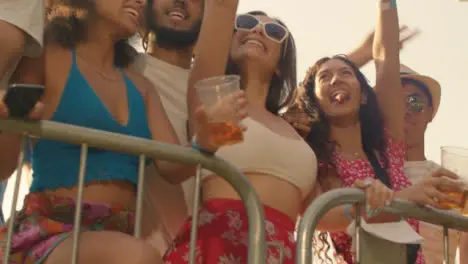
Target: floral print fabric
[[45, 221], [223, 235]]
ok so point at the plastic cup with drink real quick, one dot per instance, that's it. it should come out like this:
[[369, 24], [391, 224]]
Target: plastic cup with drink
[[455, 159], [224, 125]]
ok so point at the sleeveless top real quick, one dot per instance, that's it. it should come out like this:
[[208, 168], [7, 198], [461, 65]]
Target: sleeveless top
[[56, 164], [264, 151], [351, 170]]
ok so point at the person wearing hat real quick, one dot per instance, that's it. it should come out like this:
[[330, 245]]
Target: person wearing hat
[[422, 97]]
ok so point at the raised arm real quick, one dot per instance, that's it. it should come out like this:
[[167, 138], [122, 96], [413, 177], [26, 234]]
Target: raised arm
[[213, 47], [362, 54], [387, 62]]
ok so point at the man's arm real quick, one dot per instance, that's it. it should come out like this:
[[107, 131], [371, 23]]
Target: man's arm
[[362, 54], [463, 248]]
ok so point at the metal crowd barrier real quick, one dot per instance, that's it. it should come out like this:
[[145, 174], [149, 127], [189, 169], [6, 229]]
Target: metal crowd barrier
[[90, 138], [376, 250]]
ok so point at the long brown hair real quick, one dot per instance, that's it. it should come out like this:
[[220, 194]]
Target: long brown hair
[[308, 118], [314, 125], [282, 87]]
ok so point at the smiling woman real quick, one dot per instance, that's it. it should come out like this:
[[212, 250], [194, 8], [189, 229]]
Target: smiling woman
[[84, 70], [357, 131], [262, 51]]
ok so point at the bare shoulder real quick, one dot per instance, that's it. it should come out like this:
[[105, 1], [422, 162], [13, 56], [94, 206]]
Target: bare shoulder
[[54, 61], [58, 62], [142, 83]]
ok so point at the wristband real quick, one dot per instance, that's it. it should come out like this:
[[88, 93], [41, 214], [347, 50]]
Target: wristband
[[347, 211], [196, 147]]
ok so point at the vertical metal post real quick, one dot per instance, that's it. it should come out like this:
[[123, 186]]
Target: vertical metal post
[[79, 203], [11, 222], [196, 205], [446, 246], [140, 193], [358, 234], [280, 250]]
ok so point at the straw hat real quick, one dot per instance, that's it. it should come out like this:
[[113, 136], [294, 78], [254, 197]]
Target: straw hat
[[432, 85]]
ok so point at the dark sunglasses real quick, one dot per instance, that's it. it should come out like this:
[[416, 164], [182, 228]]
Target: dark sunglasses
[[415, 103], [273, 30]]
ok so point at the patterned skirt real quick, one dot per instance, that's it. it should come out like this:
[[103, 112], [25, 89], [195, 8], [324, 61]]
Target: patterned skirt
[[223, 235], [45, 221]]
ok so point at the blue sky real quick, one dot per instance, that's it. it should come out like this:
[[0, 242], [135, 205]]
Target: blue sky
[[330, 27]]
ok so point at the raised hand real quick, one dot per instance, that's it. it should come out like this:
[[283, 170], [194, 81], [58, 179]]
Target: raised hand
[[233, 106], [406, 34], [363, 53]]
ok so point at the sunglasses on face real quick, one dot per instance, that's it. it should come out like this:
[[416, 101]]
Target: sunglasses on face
[[273, 30], [415, 103]]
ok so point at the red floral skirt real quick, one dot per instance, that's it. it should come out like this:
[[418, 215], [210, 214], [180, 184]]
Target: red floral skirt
[[223, 235]]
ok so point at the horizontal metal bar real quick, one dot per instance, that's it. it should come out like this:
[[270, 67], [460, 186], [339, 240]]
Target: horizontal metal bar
[[334, 198], [153, 149]]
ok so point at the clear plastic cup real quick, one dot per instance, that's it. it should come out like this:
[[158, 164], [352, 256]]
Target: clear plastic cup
[[456, 159], [223, 123]]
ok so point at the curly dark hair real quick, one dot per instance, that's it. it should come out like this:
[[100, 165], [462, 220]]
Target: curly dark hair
[[67, 26], [309, 119], [317, 130], [282, 87]]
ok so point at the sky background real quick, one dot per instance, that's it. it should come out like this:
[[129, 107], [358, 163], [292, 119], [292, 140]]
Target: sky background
[[323, 28]]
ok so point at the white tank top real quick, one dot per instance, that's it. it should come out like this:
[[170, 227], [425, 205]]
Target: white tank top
[[263, 151]]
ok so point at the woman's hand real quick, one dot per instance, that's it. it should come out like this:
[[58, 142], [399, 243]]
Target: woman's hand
[[377, 195], [434, 190], [232, 107], [406, 35], [36, 113]]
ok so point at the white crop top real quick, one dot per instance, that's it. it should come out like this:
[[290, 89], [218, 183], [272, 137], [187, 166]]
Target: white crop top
[[263, 151]]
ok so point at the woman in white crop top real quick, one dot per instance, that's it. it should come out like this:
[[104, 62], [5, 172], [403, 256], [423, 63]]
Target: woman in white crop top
[[280, 165]]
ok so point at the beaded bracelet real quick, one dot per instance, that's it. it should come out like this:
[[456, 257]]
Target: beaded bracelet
[[347, 211], [388, 5]]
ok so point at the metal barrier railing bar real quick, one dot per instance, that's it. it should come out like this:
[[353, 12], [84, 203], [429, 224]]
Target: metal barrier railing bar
[[7, 247], [90, 138], [334, 198]]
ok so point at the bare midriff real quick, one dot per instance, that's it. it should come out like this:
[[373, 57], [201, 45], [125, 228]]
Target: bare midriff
[[111, 193], [272, 191]]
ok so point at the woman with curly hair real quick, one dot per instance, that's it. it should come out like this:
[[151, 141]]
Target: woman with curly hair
[[358, 135], [84, 71]]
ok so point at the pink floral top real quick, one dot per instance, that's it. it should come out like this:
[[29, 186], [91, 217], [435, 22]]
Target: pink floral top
[[351, 170]]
